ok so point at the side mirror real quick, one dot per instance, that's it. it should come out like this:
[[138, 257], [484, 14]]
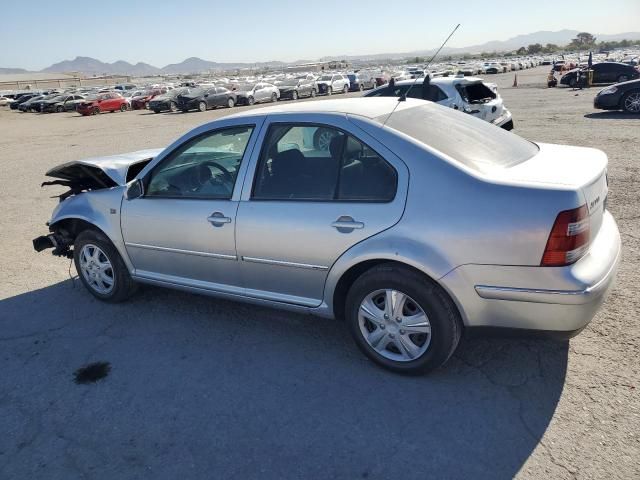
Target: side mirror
[[135, 189]]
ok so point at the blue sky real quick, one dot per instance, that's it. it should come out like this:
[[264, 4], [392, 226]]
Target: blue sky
[[36, 34]]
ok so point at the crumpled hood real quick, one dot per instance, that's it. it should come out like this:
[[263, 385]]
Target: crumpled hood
[[105, 170]]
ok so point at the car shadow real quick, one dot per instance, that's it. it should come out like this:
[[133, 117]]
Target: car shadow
[[239, 389], [612, 115]]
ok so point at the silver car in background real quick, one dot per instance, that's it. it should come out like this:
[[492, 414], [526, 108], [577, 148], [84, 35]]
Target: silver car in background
[[412, 227]]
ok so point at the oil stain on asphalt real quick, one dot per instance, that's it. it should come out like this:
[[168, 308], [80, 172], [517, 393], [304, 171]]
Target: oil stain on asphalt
[[92, 372]]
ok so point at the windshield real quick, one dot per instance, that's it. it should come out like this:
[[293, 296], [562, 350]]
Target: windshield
[[466, 139], [290, 82], [325, 77]]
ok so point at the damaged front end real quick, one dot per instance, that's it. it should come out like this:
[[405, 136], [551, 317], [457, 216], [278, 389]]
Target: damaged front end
[[59, 242], [92, 199]]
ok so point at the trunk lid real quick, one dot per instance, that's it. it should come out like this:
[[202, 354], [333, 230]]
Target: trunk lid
[[557, 166]]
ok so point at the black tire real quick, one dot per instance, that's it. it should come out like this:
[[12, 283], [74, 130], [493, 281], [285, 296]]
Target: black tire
[[628, 105], [329, 91], [123, 284], [59, 109], [361, 87], [146, 105], [345, 89], [185, 110], [156, 110], [313, 92], [123, 107], [173, 107], [95, 111], [250, 100], [443, 316], [274, 97], [508, 126], [230, 102], [294, 95], [202, 106]]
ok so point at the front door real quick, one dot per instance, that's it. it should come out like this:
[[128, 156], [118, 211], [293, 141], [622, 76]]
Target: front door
[[182, 230], [308, 205]]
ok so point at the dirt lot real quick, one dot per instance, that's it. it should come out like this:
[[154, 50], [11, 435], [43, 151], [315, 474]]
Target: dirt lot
[[201, 388]]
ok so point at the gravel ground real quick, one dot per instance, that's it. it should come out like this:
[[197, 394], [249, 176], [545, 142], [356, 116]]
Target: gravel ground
[[201, 388]]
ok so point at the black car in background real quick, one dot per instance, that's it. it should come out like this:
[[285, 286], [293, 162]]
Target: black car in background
[[621, 96], [295, 88], [20, 99], [59, 103], [204, 99], [167, 102], [31, 105], [361, 81], [605, 72]]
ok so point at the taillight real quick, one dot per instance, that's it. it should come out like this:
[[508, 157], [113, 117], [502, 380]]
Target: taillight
[[569, 238]]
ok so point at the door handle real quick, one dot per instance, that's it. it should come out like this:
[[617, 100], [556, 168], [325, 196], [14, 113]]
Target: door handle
[[346, 224], [217, 219]]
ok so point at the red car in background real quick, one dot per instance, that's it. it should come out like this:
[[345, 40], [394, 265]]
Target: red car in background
[[103, 102], [142, 101]]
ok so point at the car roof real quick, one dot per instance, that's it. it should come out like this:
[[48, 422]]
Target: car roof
[[370, 107], [442, 80]]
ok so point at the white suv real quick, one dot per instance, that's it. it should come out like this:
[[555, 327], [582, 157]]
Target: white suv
[[333, 83]]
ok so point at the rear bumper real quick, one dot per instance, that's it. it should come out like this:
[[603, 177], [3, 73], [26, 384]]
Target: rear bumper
[[551, 299], [504, 119]]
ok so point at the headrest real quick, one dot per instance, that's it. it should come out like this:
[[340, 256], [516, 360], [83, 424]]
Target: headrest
[[336, 145]]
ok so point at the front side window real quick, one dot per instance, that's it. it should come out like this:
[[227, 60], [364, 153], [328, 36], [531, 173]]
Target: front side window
[[204, 167], [319, 163]]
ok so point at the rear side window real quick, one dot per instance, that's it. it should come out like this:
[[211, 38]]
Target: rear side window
[[318, 163], [466, 139], [429, 92]]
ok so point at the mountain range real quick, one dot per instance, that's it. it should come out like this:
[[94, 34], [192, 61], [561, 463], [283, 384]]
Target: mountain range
[[91, 66]]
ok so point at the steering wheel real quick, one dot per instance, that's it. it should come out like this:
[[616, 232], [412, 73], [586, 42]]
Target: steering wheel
[[225, 173]]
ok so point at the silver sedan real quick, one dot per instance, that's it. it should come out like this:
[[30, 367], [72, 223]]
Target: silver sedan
[[413, 227]]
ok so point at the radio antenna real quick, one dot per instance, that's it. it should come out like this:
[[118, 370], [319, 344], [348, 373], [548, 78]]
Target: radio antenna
[[403, 97]]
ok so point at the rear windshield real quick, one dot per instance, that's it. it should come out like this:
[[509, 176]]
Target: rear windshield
[[466, 139]]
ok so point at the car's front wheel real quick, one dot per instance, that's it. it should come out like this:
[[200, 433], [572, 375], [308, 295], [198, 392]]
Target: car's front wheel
[[402, 320], [100, 267], [202, 106], [631, 102]]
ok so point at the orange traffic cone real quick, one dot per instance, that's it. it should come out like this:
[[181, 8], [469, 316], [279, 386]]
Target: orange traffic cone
[[515, 81]]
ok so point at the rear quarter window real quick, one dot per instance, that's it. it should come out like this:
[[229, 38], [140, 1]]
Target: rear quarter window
[[472, 142]]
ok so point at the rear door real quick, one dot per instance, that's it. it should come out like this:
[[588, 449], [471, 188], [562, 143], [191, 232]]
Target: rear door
[[305, 206]]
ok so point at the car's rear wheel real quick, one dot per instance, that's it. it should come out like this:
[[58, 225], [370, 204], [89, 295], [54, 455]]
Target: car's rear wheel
[[202, 106], [123, 107], [631, 102], [230, 103], [402, 320], [250, 100], [95, 111], [59, 109], [100, 267], [173, 106], [274, 97], [294, 95]]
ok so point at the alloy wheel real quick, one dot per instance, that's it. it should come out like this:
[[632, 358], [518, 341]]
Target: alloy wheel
[[96, 269], [394, 325], [632, 103]]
